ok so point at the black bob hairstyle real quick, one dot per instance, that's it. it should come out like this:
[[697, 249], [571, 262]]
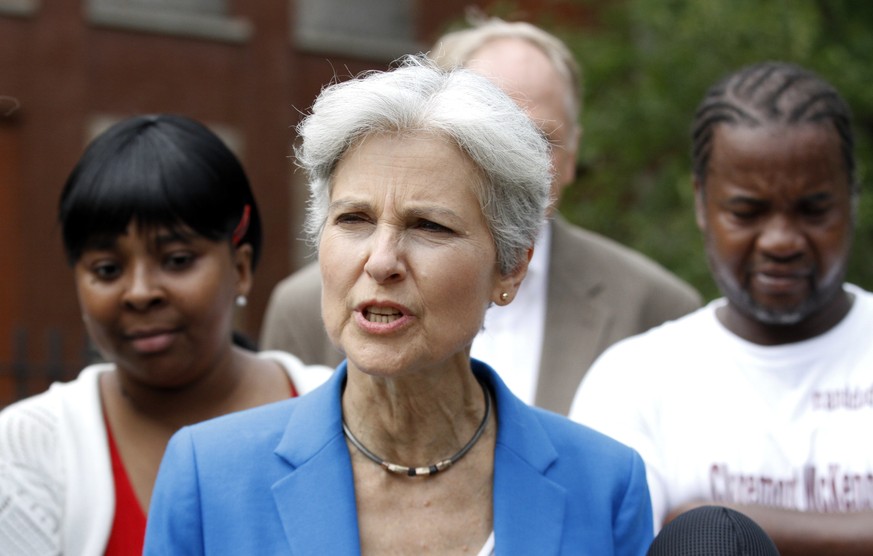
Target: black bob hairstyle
[[157, 171]]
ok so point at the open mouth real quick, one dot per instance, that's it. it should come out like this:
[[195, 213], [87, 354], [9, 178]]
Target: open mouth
[[382, 315]]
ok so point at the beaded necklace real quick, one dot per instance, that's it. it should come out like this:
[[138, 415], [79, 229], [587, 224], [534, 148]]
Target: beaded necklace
[[430, 469]]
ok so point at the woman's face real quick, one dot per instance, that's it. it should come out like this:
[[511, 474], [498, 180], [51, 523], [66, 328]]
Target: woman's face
[[407, 260], [159, 304]]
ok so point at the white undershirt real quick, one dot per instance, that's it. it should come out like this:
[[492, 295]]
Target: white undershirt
[[488, 549], [512, 339]]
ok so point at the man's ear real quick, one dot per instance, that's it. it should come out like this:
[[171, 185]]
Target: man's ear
[[574, 141]]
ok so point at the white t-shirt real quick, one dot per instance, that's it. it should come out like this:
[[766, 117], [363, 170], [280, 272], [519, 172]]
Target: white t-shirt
[[721, 419], [511, 340]]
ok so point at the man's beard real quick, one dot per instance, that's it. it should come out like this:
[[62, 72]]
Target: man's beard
[[744, 302], [785, 316]]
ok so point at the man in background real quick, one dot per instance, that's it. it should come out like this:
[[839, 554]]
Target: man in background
[[762, 401], [583, 292]]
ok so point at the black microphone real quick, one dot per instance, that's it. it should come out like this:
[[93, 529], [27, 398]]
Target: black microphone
[[712, 531]]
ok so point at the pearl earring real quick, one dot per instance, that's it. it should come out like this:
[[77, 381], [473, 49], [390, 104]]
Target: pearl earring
[[504, 297], [241, 301]]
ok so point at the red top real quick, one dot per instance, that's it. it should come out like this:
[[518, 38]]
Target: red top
[[128, 527]]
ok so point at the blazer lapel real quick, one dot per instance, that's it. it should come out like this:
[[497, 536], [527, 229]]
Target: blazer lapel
[[576, 321], [529, 508], [316, 500]]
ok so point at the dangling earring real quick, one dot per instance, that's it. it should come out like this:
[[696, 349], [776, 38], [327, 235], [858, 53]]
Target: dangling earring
[[241, 301]]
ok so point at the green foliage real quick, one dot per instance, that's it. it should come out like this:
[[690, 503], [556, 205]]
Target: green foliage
[[647, 64]]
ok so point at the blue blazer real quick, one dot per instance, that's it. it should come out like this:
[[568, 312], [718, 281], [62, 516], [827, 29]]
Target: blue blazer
[[278, 480]]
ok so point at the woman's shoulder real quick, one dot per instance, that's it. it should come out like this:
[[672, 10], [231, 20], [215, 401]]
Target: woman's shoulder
[[256, 430], [64, 403], [573, 439], [595, 463], [580, 459], [30, 431], [263, 417], [532, 431], [228, 445], [267, 423], [40, 437]]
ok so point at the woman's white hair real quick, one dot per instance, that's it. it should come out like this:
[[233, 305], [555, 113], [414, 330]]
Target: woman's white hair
[[419, 97]]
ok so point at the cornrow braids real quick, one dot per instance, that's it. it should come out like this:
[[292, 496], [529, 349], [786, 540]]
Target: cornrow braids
[[770, 93]]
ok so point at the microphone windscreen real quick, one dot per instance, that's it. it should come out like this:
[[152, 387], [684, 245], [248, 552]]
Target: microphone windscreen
[[712, 531]]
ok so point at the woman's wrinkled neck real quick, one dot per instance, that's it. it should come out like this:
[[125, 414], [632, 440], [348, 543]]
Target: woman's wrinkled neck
[[421, 415]]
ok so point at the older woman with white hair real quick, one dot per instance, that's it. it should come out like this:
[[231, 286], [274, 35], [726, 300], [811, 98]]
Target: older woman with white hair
[[427, 191]]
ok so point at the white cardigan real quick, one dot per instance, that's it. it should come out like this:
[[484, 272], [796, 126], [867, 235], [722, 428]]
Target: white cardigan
[[56, 486]]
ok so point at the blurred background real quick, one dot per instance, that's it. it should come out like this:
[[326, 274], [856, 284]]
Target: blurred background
[[249, 69]]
